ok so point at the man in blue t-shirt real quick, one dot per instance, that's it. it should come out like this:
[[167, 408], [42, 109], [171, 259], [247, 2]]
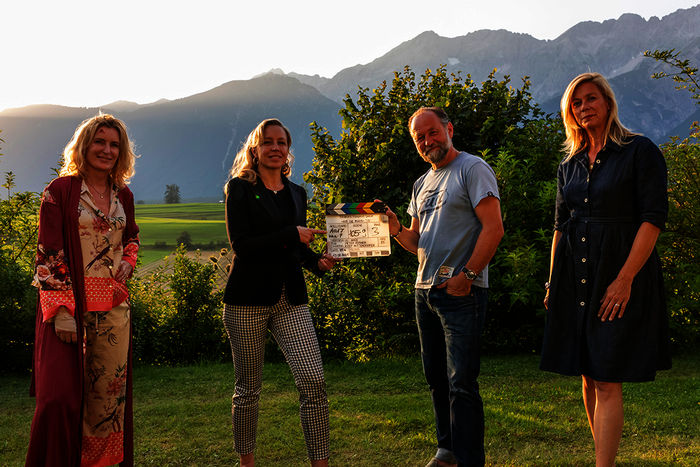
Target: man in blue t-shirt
[[455, 228]]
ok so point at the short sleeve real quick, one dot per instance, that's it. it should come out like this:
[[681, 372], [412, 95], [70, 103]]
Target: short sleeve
[[481, 183], [412, 206], [651, 184]]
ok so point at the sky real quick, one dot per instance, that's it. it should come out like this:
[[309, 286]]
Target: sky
[[88, 53]]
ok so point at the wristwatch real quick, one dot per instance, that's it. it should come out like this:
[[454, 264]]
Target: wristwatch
[[471, 275]]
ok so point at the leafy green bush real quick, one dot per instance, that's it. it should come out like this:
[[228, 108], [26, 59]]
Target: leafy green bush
[[359, 313], [365, 307], [17, 316], [177, 314], [18, 231], [679, 244]]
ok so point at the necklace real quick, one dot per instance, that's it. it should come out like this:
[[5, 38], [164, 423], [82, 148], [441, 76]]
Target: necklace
[[102, 195], [277, 189]]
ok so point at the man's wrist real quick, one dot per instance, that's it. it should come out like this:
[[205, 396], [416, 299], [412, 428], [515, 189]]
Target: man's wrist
[[399, 232], [469, 274]]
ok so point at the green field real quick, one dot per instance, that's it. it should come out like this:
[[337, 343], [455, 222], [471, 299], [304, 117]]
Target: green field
[[151, 255], [162, 224]]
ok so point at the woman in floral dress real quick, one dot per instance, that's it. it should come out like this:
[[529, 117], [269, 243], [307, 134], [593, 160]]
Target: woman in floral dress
[[88, 243]]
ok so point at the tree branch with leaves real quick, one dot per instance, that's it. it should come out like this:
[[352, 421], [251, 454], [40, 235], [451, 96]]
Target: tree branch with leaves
[[684, 74]]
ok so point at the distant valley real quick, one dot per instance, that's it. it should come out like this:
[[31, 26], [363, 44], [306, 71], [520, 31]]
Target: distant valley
[[191, 141]]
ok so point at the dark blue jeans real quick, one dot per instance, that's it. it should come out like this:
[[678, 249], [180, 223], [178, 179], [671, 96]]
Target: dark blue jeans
[[450, 335]]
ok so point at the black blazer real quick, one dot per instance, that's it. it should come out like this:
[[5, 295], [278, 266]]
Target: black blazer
[[266, 253]]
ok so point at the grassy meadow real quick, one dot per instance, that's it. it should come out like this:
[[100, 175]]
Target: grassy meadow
[[162, 224], [381, 415]]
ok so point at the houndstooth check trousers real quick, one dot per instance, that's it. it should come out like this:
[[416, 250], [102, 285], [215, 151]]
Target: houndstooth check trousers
[[292, 328]]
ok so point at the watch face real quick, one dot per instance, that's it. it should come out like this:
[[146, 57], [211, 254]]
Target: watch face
[[471, 275]]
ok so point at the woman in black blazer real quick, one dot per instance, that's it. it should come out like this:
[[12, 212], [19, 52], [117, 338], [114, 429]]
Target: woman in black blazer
[[266, 226]]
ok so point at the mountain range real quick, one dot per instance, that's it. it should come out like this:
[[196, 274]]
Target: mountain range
[[191, 141]]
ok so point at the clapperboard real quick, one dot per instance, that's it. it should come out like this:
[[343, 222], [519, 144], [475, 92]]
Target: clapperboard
[[357, 230]]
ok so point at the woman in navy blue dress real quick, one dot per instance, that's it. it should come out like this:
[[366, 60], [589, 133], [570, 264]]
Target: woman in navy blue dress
[[606, 312]]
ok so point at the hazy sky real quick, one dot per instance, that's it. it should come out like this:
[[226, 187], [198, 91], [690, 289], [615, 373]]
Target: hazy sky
[[88, 53]]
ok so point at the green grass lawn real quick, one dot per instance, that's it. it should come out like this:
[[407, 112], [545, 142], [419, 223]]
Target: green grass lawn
[[381, 416], [163, 223]]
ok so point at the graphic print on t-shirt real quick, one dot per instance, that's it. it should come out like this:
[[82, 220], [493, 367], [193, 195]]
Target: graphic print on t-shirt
[[432, 200]]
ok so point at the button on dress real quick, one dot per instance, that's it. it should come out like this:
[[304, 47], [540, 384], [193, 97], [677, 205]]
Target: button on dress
[[598, 212]]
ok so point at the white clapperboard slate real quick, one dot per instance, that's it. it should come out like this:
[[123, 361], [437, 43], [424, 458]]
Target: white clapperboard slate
[[357, 230]]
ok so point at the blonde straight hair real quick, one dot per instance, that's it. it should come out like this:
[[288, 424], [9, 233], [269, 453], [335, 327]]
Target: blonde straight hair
[[576, 137], [76, 149], [245, 165]]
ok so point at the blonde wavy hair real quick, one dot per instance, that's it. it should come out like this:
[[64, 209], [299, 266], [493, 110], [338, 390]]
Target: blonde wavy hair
[[245, 165], [76, 149], [576, 136]]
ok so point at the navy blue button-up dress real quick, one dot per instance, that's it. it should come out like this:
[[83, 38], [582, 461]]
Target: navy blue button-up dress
[[598, 212]]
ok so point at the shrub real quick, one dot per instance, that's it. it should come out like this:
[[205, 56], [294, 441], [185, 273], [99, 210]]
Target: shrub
[[358, 313], [17, 316], [18, 233], [679, 244], [177, 314]]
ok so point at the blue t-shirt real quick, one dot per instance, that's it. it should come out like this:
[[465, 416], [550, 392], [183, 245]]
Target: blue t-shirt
[[443, 201]]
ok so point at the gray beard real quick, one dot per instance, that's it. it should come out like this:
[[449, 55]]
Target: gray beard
[[436, 155]]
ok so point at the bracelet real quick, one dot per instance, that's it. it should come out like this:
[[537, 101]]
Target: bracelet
[[397, 233]]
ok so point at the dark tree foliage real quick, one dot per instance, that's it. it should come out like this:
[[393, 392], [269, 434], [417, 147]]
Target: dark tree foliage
[[172, 194], [184, 239], [365, 306], [18, 230], [17, 316], [679, 244]]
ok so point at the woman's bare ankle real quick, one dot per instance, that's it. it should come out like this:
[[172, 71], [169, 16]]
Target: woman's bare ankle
[[248, 460]]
